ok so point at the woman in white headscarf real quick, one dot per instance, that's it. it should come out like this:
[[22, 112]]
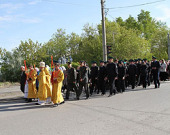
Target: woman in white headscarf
[[163, 73]]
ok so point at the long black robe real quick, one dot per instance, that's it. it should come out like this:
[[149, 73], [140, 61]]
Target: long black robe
[[22, 81]]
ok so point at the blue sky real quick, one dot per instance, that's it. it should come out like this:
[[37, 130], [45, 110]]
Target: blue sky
[[39, 19]]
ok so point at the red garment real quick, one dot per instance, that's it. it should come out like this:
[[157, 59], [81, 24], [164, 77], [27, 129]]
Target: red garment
[[54, 75]]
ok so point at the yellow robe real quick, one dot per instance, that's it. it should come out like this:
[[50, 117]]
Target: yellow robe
[[56, 88], [48, 84], [44, 87], [32, 91]]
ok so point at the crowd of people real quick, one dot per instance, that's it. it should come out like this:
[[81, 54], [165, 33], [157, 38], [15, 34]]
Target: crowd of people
[[49, 86]]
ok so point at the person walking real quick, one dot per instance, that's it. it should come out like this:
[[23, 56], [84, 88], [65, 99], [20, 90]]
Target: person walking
[[71, 80], [155, 67]]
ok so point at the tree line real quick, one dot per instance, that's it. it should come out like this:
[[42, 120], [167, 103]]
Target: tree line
[[139, 37]]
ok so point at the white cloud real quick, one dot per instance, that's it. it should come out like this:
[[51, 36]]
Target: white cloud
[[5, 18], [10, 6], [34, 2], [166, 13], [19, 18], [31, 20], [11, 16]]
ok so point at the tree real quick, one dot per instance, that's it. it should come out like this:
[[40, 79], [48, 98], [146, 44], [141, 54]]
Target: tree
[[90, 47], [126, 43], [10, 66], [131, 23], [159, 44], [120, 21], [58, 44], [73, 46], [31, 52]]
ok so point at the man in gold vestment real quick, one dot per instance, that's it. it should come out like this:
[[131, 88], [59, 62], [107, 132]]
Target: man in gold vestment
[[57, 79], [44, 91], [32, 92]]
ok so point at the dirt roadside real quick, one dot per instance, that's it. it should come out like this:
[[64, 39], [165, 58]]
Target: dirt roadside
[[10, 91]]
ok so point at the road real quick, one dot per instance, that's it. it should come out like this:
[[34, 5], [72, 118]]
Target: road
[[135, 112], [10, 91]]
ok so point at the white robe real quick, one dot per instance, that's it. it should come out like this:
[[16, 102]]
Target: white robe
[[42, 102], [26, 90]]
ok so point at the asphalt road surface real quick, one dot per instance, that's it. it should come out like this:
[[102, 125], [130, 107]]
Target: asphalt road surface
[[135, 112]]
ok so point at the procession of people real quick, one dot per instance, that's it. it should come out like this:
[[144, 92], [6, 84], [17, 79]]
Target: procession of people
[[46, 85]]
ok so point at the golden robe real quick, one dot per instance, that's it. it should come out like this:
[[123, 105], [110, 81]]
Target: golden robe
[[44, 85], [56, 87], [48, 83], [32, 91]]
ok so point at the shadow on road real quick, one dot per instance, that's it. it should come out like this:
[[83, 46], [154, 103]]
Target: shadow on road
[[139, 89], [16, 104]]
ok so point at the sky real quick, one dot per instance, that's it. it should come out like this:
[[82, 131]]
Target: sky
[[40, 19]]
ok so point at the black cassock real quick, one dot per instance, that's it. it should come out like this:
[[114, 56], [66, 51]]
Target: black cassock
[[22, 81], [155, 72], [144, 74], [132, 72]]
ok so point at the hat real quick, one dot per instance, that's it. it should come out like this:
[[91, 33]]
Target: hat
[[145, 59], [101, 61], [136, 60], [119, 62], [110, 57], [125, 59], [139, 59], [153, 57], [57, 64], [130, 60], [42, 64], [93, 62], [81, 61], [68, 63]]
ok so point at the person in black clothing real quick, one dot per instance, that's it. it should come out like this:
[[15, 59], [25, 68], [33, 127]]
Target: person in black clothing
[[93, 77], [111, 75], [116, 81], [132, 72], [138, 77], [121, 77], [22, 79], [71, 80], [149, 72], [83, 80], [168, 68], [101, 76], [126, 76], [144, 73], [155, 66]]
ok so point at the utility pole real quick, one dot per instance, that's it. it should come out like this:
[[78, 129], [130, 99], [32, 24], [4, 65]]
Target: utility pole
[[168, 47], [103, 31]]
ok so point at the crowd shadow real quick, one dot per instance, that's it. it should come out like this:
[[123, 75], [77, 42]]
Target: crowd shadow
[[139, 89], [19, 103]]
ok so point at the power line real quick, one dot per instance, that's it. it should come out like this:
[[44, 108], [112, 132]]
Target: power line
[[110, 16], [143, 4]]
